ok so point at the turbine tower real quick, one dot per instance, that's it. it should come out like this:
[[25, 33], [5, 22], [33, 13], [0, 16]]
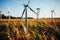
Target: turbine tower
[[0, 15], [25, 11], [52, 14], [38, 10]]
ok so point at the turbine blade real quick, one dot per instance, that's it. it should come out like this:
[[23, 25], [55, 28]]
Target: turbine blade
[[54, 8], [21, 3], [8, 8], [28, 2], [54, 13], [32, 10], [23, 13], [41, 10]]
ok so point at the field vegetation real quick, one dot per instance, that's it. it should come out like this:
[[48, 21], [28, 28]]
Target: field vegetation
[[45, 29]]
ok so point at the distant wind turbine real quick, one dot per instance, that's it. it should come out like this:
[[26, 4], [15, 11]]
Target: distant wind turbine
[[38, 10], [8, 13], [0, 15], [52, 14]]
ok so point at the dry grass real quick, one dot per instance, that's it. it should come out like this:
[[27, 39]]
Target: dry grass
[[16, 30]]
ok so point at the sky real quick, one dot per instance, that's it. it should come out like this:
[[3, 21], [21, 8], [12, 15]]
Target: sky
[[45, 8]]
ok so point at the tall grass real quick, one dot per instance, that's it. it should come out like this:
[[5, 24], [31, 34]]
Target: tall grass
[[16, 30]]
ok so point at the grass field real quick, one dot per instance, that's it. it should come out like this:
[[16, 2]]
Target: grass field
[[45, 29]]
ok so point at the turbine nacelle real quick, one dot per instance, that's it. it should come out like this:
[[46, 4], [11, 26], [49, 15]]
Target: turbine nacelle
[[38, 8], [25, 5], [52, 10]]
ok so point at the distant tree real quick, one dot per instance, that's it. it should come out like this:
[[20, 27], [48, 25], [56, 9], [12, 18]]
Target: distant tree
[[3, 16], [30, 17]]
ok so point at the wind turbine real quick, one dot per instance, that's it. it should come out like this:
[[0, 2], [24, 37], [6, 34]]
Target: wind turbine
[[0, 15], [8, 13], [52, 14], [25, 11], [38, 10]]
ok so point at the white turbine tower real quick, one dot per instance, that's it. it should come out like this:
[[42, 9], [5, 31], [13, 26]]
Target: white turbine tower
[[0, 15], [25, 11], [38, 10]]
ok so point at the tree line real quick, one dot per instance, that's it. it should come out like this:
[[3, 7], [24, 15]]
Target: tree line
[[11, 17]]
